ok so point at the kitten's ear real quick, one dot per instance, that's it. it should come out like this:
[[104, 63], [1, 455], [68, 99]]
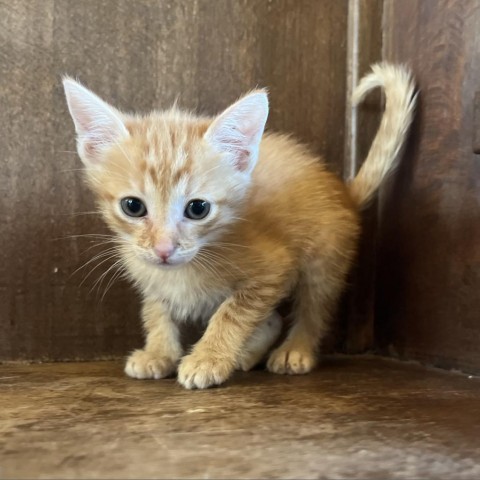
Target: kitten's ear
[[98, 125], [239, 129]]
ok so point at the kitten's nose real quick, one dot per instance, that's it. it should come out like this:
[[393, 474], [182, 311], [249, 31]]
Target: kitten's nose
[[164, 249]]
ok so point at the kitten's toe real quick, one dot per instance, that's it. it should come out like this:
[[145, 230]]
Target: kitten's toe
[[291, 361], [199, 371], [142, 364]]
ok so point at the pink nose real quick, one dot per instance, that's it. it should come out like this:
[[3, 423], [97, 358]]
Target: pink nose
[[164, 249]]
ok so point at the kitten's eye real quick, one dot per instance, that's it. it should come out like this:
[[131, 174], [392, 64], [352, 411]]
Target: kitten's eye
[[133, 207], [197, 209]]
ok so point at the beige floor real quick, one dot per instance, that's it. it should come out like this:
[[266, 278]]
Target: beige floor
[[352, 418]]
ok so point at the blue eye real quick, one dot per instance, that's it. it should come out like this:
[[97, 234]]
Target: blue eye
[[197, 209], [133, 207]]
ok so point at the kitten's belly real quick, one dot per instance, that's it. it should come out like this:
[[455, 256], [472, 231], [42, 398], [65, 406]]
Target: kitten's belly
[[188, 296]]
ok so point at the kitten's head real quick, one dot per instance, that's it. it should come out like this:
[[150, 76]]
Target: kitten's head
[[168, 183]]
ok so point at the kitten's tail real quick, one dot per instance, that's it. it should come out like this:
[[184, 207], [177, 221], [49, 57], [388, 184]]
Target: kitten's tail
[[398, 85]]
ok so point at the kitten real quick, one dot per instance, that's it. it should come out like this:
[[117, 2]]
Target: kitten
[[218, 222]]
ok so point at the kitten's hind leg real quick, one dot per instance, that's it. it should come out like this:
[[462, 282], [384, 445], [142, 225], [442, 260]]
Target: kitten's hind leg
[[260, 342], [320, 285]]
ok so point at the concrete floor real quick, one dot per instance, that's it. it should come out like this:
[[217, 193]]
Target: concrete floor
[[354, 417]]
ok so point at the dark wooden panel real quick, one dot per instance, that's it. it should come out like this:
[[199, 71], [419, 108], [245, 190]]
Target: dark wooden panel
[[429, 275], [365, 48], [137, 55], [303, 62]]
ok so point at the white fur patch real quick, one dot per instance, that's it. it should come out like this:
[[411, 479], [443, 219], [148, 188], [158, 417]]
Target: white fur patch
[[188, 294]]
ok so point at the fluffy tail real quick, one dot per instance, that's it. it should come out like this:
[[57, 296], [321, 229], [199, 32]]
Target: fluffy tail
[[398, 86]]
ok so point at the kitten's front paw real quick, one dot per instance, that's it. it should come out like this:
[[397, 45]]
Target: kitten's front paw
[[202, 371], [142, 364], [291, 361]]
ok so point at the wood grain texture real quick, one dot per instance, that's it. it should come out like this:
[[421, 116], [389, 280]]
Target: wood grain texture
[[429, 260], [365, 48], [137, 55], [352, 418]]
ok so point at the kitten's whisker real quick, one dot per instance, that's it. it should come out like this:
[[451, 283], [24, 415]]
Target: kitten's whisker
[[110, 252], [206, 266], [213, 249], [132, 163], [127, 172], [77, 214], [95, 268], [215, 244], [97, 256], [220, 260], [229, 250], [212, 169], [240, 219], [118, 273], [73, 170], [85, 235], [103, 256], [104, 274], [103, 253], [101, 244], [213, 267], [95, 245]]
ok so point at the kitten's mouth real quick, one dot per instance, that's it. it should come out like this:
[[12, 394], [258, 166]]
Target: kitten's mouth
[[166, 264]]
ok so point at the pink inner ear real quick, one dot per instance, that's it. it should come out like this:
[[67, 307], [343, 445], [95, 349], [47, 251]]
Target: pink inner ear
[[94, 143], [98, 125], [239, 130], [89, 149], [242, 159]]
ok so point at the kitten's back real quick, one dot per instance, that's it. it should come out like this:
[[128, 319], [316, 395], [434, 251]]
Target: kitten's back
[[293, 194]]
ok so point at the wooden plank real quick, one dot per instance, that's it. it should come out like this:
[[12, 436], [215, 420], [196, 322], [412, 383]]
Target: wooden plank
[[429, 260], [365, 48], [358, 418], [138, 55]]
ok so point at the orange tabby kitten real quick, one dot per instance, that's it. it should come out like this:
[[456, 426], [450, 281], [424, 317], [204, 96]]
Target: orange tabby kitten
[[218, 222]]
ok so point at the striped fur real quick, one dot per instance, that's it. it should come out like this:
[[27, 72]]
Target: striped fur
[[283, 225]]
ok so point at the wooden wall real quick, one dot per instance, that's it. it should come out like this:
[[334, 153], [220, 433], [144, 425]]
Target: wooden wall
[[138, 55], [364, 49], [423, 256], [428, 281]]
